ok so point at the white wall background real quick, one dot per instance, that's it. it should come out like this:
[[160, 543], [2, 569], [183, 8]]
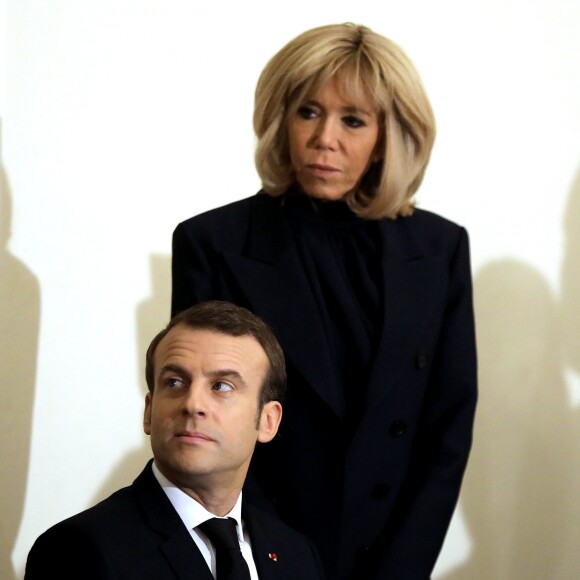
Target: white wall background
[[121, 118]]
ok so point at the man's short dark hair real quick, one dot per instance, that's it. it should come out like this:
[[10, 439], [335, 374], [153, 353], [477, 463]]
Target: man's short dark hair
[[232, 320]]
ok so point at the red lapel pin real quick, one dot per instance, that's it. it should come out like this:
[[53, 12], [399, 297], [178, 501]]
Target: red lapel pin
[[273, 556]]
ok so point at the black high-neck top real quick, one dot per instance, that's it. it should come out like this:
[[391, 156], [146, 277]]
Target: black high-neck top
[[341, 257]]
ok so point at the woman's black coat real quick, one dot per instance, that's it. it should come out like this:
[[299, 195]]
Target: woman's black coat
[[378, 502]]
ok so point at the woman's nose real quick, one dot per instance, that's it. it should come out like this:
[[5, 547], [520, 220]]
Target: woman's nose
[[326, 134]]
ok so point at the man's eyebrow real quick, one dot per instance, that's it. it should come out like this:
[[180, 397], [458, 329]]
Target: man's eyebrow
[[227, 374], [173, 368]]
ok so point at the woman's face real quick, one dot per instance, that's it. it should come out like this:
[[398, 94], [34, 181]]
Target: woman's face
[[333, 141]]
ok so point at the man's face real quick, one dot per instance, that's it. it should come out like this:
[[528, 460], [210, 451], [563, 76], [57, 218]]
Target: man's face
[[202, 415]]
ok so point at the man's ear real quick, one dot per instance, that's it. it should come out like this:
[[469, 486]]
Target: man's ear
[[147, 415], [269, 421]]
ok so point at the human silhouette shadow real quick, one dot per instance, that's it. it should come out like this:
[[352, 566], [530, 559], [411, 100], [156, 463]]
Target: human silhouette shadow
[[152, 315], [19, 327], [515, 492]]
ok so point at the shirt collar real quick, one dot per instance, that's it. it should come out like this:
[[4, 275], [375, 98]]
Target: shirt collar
[[191, 512]]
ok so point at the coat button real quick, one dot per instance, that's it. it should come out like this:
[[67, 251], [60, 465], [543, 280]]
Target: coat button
[[397, 428], [421, 360], [381, 490]]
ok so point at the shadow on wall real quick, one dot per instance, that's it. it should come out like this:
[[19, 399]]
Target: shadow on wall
[[520, 497], [151, 316], [19, 326]]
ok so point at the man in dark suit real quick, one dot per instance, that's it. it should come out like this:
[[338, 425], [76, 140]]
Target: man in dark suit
[[216, 376]]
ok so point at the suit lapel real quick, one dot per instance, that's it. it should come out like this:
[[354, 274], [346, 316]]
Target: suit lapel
[[413, 284], [272, 278], [271, 554], [271, 550], [186, 560], [177, 546]]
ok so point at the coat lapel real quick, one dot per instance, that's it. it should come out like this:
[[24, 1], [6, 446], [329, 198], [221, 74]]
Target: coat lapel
[[178, 546], [270, 275], [413, 284], [272, 278]]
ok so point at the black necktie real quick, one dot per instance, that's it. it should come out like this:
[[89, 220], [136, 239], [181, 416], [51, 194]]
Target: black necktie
[[230, 564]]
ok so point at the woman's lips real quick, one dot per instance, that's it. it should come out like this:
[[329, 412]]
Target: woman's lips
[[322, 170]]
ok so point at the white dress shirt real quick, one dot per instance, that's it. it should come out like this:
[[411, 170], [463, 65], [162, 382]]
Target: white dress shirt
[[193, 514]]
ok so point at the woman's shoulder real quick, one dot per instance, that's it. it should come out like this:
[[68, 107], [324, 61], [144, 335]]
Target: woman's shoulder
[[228, 225], [424, 219], [428, 224], [430, 232], [234, 211]]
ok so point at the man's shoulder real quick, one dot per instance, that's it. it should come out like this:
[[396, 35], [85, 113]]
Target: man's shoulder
[[105, 518], [111, 516], [116, 538], [84, 542]]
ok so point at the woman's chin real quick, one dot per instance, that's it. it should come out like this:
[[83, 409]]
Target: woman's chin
[[325, 193]]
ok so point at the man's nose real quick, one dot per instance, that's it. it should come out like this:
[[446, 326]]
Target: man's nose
[[195, 400]]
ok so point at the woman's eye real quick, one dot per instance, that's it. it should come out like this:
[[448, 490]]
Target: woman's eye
[[353, 122], [307, 112], [222, 387]]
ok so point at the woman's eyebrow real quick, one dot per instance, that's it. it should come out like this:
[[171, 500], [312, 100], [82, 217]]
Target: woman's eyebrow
[[356, 110], [350, 109]]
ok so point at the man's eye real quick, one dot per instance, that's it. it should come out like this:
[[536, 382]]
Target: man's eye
[[222, 387], [307, 112], [174, 383], [353, 122]]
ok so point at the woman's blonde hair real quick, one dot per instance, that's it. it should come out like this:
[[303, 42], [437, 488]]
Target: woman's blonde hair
[[368, 64]]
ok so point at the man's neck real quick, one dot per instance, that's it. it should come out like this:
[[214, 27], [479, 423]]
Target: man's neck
[[217, 495], [218, 502]]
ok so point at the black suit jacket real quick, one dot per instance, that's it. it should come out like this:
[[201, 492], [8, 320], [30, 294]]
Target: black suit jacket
[[137, 534], [378, 503]]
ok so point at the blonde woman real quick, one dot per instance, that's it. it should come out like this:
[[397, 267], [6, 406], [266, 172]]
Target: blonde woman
[[369, 297]]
